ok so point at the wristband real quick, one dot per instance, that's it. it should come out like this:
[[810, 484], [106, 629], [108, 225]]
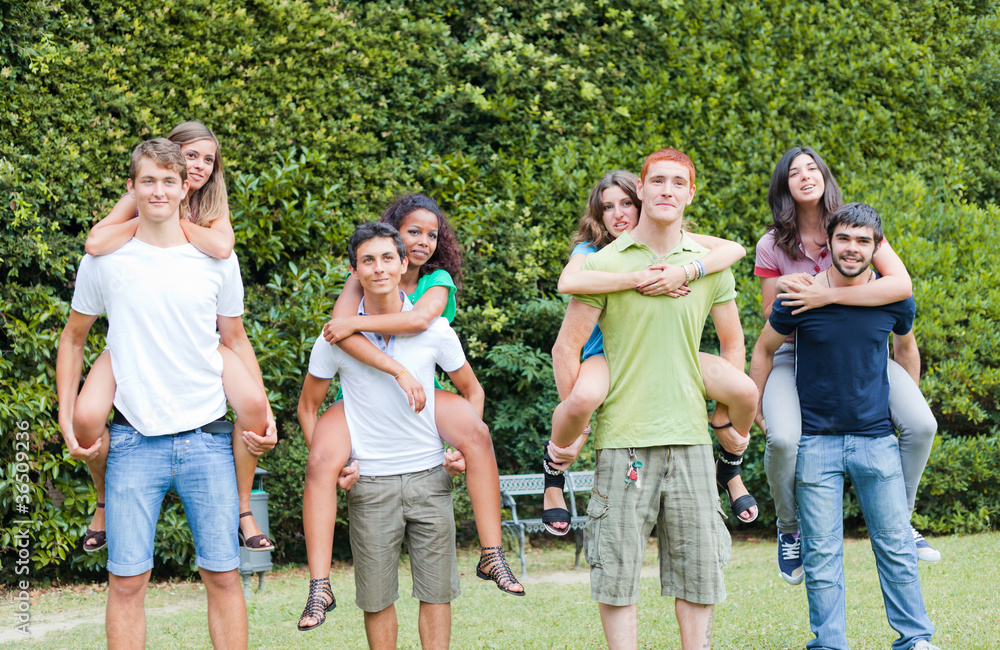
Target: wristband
[[401, 374], [687, 275]]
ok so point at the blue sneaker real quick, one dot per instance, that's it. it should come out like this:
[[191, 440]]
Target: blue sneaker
[[924, 550], [790, 558]]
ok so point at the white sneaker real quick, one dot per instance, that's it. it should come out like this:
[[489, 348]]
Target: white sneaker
[[924, 550], [924, 644]]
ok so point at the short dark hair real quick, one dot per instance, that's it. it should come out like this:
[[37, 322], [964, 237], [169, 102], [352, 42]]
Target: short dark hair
[[373, 230], [857, 215]]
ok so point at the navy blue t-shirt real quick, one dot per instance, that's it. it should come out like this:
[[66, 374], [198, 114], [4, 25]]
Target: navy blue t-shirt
[[841, 364]]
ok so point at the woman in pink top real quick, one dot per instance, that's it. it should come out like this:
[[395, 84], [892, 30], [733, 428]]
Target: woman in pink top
[[802, 195]]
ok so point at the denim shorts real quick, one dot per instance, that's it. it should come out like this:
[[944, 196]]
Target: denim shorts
[[198, 467]]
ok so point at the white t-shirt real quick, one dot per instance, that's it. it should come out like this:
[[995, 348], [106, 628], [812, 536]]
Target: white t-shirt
[[387, 437], [162, 305]]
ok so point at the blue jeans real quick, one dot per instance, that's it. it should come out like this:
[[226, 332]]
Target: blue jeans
[[198, 466], [876, 473]]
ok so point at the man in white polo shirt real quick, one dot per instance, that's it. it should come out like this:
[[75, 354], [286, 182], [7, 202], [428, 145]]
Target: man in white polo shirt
[[403, 491]]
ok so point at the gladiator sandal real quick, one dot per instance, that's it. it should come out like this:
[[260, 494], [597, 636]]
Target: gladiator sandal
[[316, 604], [493, 566]]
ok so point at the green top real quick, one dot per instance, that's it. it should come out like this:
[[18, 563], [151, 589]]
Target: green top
[[438, 278], [657, 395]]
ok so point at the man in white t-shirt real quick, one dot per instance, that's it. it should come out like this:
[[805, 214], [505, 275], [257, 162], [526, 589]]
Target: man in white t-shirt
[[403, 490], [164, 301]]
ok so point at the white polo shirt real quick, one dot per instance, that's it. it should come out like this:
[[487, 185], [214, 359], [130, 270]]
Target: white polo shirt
[[387, 437]]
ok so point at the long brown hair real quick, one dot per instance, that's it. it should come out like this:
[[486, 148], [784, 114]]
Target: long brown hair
[[591, 227], [212, 200], [783, 213]]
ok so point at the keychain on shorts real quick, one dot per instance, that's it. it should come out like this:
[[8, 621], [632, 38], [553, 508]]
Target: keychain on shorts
[[632, 473]]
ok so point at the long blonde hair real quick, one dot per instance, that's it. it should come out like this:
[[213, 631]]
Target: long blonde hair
[[212, 200]]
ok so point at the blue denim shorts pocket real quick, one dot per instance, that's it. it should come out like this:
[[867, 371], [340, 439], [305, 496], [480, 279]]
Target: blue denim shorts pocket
[[883, 458], [219, 442], [124, 440], [809, 463]]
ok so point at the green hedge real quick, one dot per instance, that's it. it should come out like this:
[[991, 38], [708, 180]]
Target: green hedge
[[507, 112]]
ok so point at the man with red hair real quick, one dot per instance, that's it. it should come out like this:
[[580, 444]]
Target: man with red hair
[[654, 454]]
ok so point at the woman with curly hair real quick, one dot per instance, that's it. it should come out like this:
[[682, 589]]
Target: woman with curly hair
[[432, 278]]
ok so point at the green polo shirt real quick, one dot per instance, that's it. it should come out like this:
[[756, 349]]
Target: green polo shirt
[[657, 395]]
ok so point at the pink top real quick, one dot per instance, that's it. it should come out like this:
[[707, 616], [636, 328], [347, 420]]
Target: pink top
[[772, 262]]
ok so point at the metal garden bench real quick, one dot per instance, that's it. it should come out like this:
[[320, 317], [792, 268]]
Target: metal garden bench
[[517, 485]]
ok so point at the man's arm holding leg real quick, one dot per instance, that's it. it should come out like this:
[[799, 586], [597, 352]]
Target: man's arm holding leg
[[311, 398], [763, 355], [906, 353], [468, 385], [233, 335], [577, 325], [69, 368], [742, 407]]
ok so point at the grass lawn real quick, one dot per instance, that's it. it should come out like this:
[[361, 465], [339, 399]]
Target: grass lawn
[[761, 611]]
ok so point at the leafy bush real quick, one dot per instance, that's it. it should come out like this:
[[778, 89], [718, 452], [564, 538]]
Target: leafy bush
[[958, 493], [507, 113]]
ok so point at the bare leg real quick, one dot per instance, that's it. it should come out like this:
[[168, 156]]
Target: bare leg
[[621, 626], [727, 385], [459, 425], [572, 416], [90, 422], [736, 396], [331, 449], [381, 628], [695, 622], [250, 403], [434, 623], [227, 611], [125, 619]]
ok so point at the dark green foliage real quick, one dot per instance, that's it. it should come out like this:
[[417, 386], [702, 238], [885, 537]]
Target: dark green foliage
[[507, 113], [958, 493]]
